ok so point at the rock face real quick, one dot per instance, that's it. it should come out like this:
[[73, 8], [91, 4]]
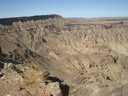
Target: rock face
[[9, 21], [63, 57]]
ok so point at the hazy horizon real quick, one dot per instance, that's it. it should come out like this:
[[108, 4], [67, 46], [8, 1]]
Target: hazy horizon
[[66, 17]]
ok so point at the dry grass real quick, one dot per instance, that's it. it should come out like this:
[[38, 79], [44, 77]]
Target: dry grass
[[32, 77]]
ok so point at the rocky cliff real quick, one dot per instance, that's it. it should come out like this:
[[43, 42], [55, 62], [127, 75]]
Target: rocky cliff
[[84, 58], [9, 21]]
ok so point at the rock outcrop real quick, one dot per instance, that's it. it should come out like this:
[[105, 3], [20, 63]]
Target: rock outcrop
[[9, 21]]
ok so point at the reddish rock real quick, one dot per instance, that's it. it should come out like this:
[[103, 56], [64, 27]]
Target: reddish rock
[[40, 93]]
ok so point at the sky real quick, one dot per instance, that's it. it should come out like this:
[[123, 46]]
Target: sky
[[65, 8]]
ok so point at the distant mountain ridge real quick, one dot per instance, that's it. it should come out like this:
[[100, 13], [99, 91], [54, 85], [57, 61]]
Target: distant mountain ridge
[[9, 21], [99, 18]]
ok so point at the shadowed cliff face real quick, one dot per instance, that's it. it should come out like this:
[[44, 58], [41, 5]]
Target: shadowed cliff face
[[9, 21], [90, 58]]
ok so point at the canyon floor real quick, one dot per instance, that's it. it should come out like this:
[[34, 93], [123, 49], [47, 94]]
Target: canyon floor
[[55, 56]]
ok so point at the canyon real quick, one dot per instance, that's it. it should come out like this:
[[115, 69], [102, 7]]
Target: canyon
[[49, 55]]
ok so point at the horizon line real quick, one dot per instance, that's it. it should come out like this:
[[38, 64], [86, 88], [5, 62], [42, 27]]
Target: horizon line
[[65, 16]]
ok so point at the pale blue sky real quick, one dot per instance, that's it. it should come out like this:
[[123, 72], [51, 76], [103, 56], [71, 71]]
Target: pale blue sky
[[65, 8]]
